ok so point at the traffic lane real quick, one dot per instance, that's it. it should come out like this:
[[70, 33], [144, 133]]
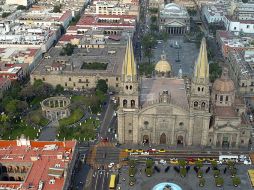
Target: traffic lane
[[106, 121], [100, 181], [106, 181]]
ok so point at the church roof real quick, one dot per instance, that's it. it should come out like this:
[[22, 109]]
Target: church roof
[[151, 88], [129, 70], [225, 111], [202, 66], [224, 84]]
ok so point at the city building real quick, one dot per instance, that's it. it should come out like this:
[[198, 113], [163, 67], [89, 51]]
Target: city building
[[186, 3], [5, 84], [168, 110], [237, 26], [241, 68], [242, 11], [36, 164], [84, 67], [19, 2], [13, 55], [214, 13], [174, 19], [228, 41]]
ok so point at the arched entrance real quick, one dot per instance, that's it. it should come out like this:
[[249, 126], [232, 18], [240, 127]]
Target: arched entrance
[[163, 138], [225, 142], [145, 139], [180, 140]]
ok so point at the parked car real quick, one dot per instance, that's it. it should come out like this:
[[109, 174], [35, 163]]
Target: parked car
[[111, 165], [163, 162]]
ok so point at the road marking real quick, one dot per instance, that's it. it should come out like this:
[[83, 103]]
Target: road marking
[[103, 180]]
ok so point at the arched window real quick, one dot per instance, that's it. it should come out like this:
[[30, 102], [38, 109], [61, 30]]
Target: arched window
[[216, 97], [203, 105], [125, 103], [132, 103], [126, 87], [198, 88], [195, 104], [181, 124], [202, 89], [130, 87], [226, 98]]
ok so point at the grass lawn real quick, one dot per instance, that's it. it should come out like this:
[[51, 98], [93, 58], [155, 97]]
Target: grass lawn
[[75, 116], [37, 118], [19, 129], [87, 130]]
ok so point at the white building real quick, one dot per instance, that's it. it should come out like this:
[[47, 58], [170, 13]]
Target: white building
[[214, 13], [238, 26], [19, 2]]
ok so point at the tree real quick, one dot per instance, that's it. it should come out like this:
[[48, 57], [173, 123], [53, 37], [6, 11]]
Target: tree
[[182, 163], [201, 182], [230, 164], [215, 71], [219, 181], [199, 164], [245, 1], [27, 92], [67, 49], [149, 171], [200, 174], [5, 14], [149, 163], [4, 118], [183, 172], [57, 9], [153, 19], [216, 173], [132, 181], [153, 10], [21, 7], [132, 172], [59, 89], [132, 163], [11, 107], [148, 41], [236, 181], [233, 172], [214, 164], [102, 86]]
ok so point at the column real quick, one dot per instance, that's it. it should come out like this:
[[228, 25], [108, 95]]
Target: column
[[215, 139], [205, 131], [190, 131], [237, 140], [221, 139], [177, 30], [173, 132], [230, 141]]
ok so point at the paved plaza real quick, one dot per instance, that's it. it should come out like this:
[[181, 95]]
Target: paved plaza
[[187, 54], [190, 182]]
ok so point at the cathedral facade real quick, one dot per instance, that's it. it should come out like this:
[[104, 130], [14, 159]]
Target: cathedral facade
[[167, 110]]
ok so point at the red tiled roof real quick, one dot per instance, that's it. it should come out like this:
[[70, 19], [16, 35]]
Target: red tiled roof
[[225, 111], [66, 15], [67, 38]]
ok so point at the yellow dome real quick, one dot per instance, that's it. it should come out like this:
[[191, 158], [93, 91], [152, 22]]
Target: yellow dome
[[163, 66]]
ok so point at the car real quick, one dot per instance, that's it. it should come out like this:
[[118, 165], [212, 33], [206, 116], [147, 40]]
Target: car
[[163, 162], [111, 165], [201, 159], [104, 140], [134, 153], [173, 161], [211, 160], [162, 150], [247, 162], [139, 150], [144, 153], [129, 150], [151, 150]]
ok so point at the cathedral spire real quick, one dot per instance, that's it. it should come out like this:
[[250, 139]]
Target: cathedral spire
[[129, 70], [201, 66]]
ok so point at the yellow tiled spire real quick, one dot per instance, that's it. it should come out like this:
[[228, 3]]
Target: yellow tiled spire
[[129, 70], [202, 66]]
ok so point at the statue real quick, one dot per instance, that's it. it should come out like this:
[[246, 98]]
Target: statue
[[167, 187]]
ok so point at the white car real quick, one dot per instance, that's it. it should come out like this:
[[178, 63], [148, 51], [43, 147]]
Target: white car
[[163, 162], [144, 153], [247, 162], [111, 165]]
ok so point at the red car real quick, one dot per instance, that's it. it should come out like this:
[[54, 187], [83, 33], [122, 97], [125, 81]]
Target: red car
[[152, 150], [104, 140]]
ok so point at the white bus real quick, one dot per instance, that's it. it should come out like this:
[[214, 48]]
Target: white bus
[[225, 158]]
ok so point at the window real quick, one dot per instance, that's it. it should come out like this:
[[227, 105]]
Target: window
[[70, 79], [34, 78], [181, 124], [65, 84], [132, 103], [248, 26], [216, 97], [243, 132], [221, 98], [130, 87], [242, 141], [234, 28], [86, 85], [243, 85], [203, 105], [116, 78], [87, 80], [202, 89], [195, 104], [106, 80], [130, 131], [79, 80], [198, 88], [126, 87], [116, 84], [43, 79], [226, 98], [125, 103], [74, 84]]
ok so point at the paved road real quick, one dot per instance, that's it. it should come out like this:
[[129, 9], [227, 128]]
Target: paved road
[[48, 132], [100, 180]]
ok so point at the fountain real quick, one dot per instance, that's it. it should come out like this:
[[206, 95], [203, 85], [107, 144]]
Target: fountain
[[167, 186]]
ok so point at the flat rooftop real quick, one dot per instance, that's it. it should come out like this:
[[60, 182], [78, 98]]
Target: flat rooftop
[[152, 87], [44, 163], [112, 55]]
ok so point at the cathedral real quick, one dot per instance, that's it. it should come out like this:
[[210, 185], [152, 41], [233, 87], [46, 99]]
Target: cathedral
[[170, 110]]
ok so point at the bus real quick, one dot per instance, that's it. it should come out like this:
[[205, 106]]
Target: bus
[[225, 158], [113, 182]]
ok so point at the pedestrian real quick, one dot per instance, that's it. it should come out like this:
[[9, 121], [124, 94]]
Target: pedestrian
[[225, 170]]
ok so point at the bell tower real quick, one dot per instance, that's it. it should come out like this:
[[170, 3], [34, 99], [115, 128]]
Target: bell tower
[[128, 99], [129, 95], [200, 95]]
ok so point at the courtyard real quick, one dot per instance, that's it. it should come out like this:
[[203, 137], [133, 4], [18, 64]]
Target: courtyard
[[190, 182], [188, 53]]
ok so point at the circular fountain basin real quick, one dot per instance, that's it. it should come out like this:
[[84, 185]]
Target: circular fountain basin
[[161, 186]]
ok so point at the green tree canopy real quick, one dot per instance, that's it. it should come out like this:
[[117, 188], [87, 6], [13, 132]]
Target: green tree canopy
[[57, 9], [149, 171], [149, 163], [59, 89], [5, 14], [21, 7], [102, 86], [215, 71], [68, 49], [245, 1]]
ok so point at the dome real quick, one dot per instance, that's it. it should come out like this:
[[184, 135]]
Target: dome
[[163, 65], [224, 83]]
